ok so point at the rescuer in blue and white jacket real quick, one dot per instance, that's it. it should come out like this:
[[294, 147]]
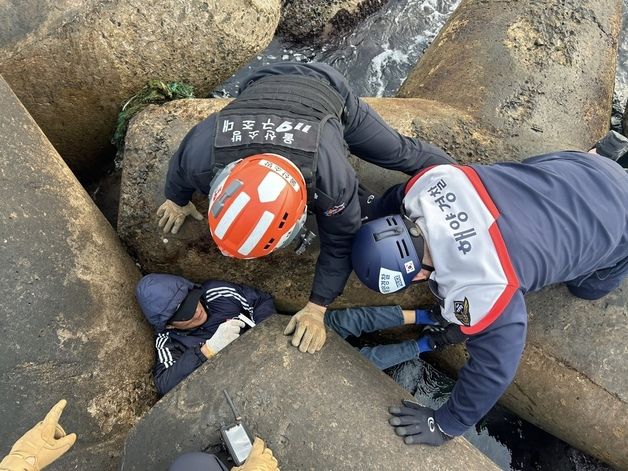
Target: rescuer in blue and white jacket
[[194, 322], [484, 235]]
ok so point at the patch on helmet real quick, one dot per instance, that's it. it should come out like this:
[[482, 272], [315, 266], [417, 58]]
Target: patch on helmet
[[390, 281], [335, 209], [409, 266], [281, 172], [461, 311]]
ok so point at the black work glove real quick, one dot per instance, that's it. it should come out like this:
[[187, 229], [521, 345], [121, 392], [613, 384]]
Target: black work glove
[[440, 337], [416, 424]]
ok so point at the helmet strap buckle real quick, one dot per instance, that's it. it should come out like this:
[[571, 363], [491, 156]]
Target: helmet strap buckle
[[306, 237]]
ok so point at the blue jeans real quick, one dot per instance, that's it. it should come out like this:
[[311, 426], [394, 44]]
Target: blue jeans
[[359, 320]]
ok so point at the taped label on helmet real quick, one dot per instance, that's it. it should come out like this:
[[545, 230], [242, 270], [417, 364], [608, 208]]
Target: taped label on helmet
[[390, 281], [281, 172]]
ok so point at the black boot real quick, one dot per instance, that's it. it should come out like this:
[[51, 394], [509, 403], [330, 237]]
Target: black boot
[[614, 146]]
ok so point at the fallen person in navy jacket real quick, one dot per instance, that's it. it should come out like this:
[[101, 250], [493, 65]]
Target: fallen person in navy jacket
[[194, 322]]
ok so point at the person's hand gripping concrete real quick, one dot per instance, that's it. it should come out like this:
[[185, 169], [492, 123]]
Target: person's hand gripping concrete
[[260, 459], [307, 328], [226, 333], [172, 216], [41, 445], [416, 424]]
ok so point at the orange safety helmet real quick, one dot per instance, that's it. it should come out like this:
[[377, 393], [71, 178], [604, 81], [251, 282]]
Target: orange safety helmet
[[256, 205]]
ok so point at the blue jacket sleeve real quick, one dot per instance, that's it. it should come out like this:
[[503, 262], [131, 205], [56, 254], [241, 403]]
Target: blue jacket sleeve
[[174, 364], [226, 300], [494, 357], [262, 303], [370, 138]]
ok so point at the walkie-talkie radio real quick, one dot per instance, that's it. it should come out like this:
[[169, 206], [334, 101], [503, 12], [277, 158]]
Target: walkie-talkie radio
[[236, 437]]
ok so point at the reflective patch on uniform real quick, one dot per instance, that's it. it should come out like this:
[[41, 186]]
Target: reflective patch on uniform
[[335, 209], [390, 281], [271, 187], [461, 311], [258, 232], [281, 172], [266, 129], [234, 210]]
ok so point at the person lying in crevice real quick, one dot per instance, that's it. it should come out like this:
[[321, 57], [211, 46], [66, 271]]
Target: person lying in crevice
[[194, 322]]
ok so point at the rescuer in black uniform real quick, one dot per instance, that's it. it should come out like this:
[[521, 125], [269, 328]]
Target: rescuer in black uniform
[[278, 150]]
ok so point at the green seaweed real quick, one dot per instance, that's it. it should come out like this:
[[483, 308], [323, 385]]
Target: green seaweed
[[154, 92]]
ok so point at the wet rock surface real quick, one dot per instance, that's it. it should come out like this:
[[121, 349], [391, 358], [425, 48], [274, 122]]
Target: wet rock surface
[[321, 411], [74, 70], [318, 20], [537, 63], [71, 327]]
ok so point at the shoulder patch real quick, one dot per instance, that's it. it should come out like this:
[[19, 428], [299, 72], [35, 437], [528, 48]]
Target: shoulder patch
[[461, 311], [335, 209]]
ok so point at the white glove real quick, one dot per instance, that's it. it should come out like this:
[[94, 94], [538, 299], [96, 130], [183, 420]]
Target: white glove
[[173, 216], [226, 333]]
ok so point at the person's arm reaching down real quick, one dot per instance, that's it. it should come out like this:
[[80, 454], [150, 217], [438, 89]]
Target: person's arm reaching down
[[370, 138], [493, 359], [494, 356], [333, 267], [190, 169]]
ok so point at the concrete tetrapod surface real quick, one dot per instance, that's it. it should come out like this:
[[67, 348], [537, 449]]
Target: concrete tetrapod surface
[[327, 411], [74, 63], [71, 327], [540, 75]]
